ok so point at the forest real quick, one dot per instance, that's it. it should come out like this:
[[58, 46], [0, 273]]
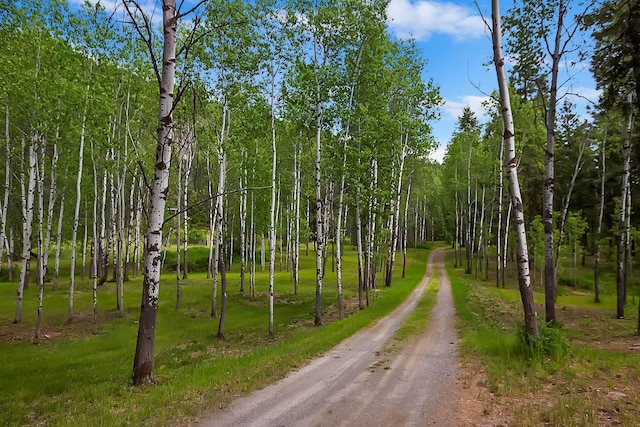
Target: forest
[[238, 140]]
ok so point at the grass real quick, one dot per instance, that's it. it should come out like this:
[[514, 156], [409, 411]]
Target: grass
[[74, 377], [584, 372]]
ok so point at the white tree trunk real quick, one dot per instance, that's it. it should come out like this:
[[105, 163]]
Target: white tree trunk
[[4, 242], [395, 226], [524, 280], [624, 184], [220, 259], [143, 361], [40, 245], [405, 230], [76, 216], [185, 221], [27, 230], [50, 204], [499, 253], [296, 233], [272, 219], [56, 269], [603, 170], [178, 229], [319, 221]]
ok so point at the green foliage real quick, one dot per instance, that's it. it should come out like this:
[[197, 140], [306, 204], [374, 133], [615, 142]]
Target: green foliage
[[551, 343]]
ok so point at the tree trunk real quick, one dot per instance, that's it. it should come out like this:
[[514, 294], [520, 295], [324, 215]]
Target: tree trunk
[[104, 264], [185, 221], [41, 266], [56, 269], [526, 293], [596, 268], [404, 238], [4, 242], [296, 241], [50, 204], [499, 224], [319, 222], [178, 229], [144, 357], [94, 243], [272, 219], [130, 229], [567, 200], [27, 230], [550, 283], [223, 292], [361, 276], [76, 215], [396, 215], [624, 184]]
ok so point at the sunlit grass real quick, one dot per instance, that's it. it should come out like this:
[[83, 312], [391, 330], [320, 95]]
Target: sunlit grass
[[73, 377], [583, 372]]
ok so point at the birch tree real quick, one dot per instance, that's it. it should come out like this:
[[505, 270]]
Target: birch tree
[[524, 280], [143, 362]]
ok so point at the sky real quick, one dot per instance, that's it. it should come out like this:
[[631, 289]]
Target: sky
[[457, 47]]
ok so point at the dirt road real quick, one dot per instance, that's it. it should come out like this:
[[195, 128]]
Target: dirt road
[[358, 384]]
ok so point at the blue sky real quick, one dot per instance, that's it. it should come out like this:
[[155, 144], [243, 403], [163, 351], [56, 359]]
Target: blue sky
[[455, 42]]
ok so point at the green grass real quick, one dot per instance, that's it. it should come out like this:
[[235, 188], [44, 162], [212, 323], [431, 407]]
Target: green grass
[[419, 318], [74, 377], [583, 372]]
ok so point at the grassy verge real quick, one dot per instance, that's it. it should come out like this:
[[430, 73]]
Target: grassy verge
[[74, 377], [419, 318], [585, 372]]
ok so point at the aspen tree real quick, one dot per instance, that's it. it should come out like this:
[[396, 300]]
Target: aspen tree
[[524, 280]]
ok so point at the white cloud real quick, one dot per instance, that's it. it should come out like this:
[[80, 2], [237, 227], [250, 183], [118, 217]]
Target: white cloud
[[585, 93], [438, 154], [420, 19], [454, 108]]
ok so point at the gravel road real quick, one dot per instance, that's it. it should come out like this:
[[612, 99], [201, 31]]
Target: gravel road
[[357, 383]]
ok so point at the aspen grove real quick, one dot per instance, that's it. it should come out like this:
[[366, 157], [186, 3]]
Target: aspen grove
[[230, 138]]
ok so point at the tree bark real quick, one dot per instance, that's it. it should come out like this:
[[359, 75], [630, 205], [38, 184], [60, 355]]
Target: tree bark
[[603, 169], [76, 215], [319, 222], [624, 183], [27, 230], [524, 280], [144, 356]]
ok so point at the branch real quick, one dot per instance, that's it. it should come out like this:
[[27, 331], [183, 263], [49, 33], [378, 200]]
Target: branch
[[146, 39], [193, 9], [210, 198]]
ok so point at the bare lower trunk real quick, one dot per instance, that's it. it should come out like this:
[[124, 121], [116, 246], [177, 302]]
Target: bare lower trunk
[[40, 245], [27, 230], [499, 254], [4, 241], [272, 218], [319, 225], [76, 218], [361, 283], [178, 229], [524, 280], [404, 231], [596, 269], [56, 269], [144, 356], [624, 184]]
